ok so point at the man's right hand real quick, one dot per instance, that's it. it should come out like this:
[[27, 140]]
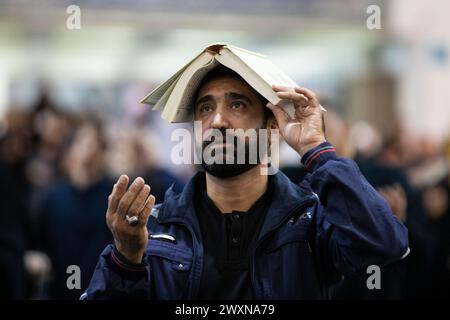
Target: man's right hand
[[130, 240]]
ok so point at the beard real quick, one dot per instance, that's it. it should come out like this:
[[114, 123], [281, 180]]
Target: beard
[[229, 164]]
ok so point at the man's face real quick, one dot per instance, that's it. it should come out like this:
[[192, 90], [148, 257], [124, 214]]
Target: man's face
[[228, 103], [84, 161]]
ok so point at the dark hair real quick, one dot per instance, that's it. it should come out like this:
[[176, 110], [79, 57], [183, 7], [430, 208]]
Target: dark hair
[[220, 72]]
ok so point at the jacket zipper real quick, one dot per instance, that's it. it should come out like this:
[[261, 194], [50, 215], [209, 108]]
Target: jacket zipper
[[301, 206]]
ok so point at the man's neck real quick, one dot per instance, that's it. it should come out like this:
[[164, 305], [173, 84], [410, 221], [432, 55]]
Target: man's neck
[[237, 193]]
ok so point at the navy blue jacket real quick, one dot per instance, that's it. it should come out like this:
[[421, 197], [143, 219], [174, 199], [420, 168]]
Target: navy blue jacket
[[332, 225]]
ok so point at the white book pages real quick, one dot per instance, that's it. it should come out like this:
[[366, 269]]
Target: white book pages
[[153, 97], [269, 72], [177, 108], [165, 97], [156, 94], [174, 98]]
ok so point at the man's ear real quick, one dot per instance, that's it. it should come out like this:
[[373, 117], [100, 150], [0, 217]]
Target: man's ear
[[271, 124]]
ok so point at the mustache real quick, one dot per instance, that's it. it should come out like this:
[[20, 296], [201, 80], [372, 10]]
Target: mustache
[[219, 137]]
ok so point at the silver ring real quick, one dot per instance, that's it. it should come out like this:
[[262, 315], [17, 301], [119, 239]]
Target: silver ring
[[131, 220]]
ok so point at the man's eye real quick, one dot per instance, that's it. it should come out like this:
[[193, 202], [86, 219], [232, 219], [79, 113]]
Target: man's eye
[[205, 108], [237, 105]]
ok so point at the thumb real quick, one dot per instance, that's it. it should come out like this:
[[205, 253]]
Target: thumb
[[281, 115]]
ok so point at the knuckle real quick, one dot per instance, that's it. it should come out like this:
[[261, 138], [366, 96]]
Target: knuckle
[[134, 187], [137, 184], [113, 224], [119, 189]]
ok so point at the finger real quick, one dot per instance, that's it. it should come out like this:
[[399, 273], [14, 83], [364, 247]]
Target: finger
[[129, 196], [296, 97], [301, 107], [280, 115], [279, 88], [146, 211], [303, 102], [311, 96], [119, 189], [138, 203]]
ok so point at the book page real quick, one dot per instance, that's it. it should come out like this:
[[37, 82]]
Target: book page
[[177, 106], [156, 94], [185, 109], [174, 98], [163, 100], [268, 71]]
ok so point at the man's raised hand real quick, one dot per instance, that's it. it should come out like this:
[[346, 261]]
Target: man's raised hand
[[305, 130], [136, 201]]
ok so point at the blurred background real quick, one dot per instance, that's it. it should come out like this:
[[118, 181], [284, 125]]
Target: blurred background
[[71, 121]]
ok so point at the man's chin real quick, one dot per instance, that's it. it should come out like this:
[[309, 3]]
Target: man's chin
[[224, 171]]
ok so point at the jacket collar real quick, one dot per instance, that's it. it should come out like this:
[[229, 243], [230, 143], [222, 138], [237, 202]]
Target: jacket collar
[[286, 197]]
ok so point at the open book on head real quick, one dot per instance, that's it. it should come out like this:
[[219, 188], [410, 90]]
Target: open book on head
[[175, 97]]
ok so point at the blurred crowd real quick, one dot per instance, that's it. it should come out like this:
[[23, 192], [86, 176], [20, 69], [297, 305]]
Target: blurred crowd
[[57, 169]]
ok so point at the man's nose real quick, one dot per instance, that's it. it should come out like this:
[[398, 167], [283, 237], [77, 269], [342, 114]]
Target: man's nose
[[220, 120]]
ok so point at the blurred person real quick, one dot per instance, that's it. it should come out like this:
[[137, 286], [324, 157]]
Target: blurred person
[[386, 172], [365, 141], [404, 149], [436, 199], [234, 233], [70, 218], [338, 132], [15, 148], [51, 130]]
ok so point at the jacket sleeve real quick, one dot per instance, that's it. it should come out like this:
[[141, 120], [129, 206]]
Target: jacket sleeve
[[116, 278], [355, 226]]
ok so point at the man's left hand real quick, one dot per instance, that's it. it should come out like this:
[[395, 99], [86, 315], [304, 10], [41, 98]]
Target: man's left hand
[[305, 130]]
